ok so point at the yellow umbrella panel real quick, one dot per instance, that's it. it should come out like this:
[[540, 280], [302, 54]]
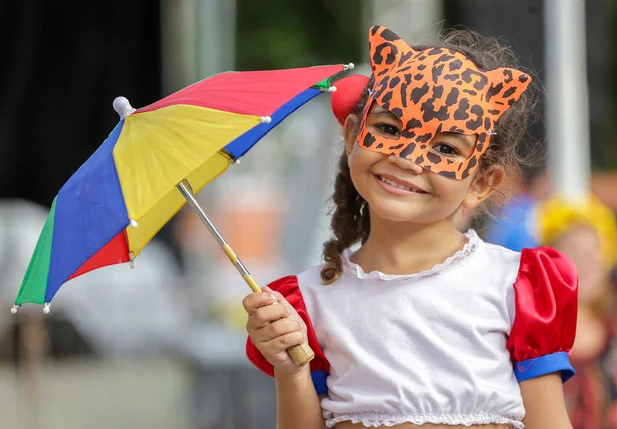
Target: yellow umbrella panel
[[159, 149]]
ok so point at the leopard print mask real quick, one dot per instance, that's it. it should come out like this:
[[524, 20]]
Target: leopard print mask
[[432, 91]]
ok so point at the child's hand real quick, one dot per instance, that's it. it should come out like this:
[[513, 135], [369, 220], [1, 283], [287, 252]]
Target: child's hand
[[274, 328]]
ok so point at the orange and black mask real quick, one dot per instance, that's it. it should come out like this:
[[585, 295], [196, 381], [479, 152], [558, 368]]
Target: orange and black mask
[[431, 91]]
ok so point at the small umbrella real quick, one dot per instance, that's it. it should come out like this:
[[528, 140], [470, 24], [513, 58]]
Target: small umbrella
[[154, 160]]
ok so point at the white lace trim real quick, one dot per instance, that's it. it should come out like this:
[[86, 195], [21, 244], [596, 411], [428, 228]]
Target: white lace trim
[[355, 270], [381, 419]]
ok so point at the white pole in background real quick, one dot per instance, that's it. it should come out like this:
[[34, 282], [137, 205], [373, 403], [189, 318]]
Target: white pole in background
[[179, 43], [569, 168], [416, 21], [198, 41]]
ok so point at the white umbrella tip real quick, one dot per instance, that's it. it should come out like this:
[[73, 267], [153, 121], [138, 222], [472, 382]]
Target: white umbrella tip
[[123, 107]]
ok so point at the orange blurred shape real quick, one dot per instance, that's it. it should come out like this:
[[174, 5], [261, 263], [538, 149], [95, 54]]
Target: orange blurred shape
[[252, 229], [250, 219]]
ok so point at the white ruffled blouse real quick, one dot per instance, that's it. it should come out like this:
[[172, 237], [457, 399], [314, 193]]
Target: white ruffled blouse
[[437, 346]]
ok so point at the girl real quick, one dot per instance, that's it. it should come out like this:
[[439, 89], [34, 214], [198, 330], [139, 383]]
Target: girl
[[422, 325]]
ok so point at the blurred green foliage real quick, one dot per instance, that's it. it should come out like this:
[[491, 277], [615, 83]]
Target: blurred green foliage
[[281, 33]]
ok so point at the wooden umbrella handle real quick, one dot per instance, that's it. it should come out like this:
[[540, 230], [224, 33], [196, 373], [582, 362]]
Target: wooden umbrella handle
[[301, 354]]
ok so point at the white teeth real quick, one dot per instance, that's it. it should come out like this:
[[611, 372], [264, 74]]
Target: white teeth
[[397, 185]]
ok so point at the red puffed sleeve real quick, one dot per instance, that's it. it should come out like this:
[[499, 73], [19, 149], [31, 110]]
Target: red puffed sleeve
[[544, 327], [320, 368]]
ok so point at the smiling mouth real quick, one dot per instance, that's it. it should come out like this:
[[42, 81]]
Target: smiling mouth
[[398, 185]]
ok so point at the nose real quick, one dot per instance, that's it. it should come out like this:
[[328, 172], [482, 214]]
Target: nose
[[405, 164]]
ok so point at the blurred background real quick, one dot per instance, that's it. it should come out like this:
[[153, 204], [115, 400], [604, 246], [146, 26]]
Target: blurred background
[[162, 345]]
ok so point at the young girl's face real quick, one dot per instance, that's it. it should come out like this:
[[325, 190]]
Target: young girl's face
[[399, 190]]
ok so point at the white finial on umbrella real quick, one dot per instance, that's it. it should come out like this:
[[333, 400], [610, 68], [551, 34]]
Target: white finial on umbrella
[[46, 309], [14, 309], [349, 66], [123, 107], [133, 223]]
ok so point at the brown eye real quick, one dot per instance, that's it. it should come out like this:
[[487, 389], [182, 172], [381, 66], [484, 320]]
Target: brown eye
[[387, 129], [446, 149]]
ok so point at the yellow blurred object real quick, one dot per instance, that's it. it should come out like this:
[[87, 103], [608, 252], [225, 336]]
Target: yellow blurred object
[[557, 215], [231, 314]]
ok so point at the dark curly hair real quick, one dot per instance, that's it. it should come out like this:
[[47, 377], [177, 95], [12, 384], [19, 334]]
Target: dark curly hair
[[350, 222]]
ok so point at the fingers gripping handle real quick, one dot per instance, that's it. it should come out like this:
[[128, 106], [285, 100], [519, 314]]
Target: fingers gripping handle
[[300, 354]]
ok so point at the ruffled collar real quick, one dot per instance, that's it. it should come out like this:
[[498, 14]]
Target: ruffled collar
[[468, 249]]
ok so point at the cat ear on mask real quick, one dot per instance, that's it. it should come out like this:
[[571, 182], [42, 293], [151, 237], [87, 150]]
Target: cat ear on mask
[[387, 50], [505, 87]]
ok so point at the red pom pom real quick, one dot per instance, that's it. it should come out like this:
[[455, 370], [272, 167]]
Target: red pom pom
[[348, 93]]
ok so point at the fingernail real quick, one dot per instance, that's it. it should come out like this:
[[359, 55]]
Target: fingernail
[[274, 298], [288, 310]]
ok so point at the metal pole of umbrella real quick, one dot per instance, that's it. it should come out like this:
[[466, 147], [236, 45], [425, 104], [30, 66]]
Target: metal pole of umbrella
[[301, 354]]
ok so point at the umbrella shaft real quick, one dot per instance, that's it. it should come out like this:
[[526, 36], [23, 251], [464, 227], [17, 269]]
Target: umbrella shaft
[[185, 189]]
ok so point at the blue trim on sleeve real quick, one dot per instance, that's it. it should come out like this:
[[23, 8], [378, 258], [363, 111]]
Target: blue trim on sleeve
[[536, 367], [319, 381]]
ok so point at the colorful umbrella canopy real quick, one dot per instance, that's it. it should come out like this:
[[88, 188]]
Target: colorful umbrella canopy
[[153, 160]]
